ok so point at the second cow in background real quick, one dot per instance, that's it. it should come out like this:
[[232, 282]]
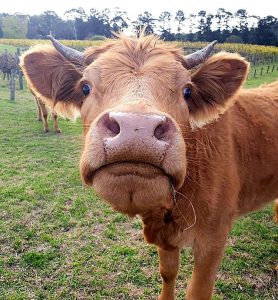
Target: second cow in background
[[43, 115]]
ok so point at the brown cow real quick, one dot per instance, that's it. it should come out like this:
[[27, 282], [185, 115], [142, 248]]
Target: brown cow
[[43, 114], [145, 151]]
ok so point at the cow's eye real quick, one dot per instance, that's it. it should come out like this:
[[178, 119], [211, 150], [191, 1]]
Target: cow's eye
[[186, 92], [86, 89]]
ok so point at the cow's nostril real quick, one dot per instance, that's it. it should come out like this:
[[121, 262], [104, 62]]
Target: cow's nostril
[[110, 123], [161, 130], [113, 126]]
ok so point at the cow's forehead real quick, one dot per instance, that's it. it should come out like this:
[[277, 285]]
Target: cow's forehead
[[138, 88], [135, 55], [159, 68]]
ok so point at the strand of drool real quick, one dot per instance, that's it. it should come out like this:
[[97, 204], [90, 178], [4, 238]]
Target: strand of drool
[[193, 209]]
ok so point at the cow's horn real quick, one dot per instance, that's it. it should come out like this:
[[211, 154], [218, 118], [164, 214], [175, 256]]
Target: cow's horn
[[74, 56], [194, 59]]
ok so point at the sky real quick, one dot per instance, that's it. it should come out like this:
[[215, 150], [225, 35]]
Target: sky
[[134, 7]]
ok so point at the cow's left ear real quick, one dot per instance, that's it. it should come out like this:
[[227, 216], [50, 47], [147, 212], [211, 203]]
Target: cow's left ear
[[53, 78], [214, 86]]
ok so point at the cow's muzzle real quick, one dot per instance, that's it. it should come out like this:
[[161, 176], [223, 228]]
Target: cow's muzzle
[[125, 152]]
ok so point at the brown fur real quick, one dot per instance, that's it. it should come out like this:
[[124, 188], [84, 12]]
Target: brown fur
[[228, 168]]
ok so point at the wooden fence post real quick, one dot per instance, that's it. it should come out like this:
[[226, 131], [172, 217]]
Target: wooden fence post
[[8, 74], [20, 75], [12, 85]]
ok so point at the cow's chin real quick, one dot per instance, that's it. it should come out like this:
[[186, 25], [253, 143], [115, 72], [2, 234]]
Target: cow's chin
[[133, 188]]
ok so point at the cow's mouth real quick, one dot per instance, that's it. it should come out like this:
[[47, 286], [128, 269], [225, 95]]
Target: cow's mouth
[[131, 187], [130, 168], [126, 168]]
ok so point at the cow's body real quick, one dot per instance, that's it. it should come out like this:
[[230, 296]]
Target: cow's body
[[232, 170], [144, 154], [232, 165], [256, 146], [240, 149]]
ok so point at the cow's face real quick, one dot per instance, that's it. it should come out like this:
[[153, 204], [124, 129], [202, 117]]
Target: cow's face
[[137, 103], [134, 147]]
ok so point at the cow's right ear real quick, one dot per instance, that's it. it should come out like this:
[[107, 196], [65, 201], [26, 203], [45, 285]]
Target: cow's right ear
[[53, 78]]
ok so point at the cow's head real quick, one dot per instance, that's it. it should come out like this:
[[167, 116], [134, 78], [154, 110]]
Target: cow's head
[[137, 100]]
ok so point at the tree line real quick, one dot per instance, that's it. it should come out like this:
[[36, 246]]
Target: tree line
[[224, 26]]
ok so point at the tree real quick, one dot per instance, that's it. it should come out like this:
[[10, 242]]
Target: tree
[[242, 16], [76, 16], [242, 25], [50, 18], [180, 18], [165, 21], [1, 26], [192, 23], [119, 21], [14, 26], [165, 26], [223, 22], [220, 17], [33, 27], [202, 24], [63, 30], [227, 18], [44, 24], [267, 31], [1, 31], [234, 39], [98, 24], [207, 32], [144, 21]]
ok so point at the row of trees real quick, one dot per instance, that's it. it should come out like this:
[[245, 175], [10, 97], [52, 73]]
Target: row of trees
[[77, 24]]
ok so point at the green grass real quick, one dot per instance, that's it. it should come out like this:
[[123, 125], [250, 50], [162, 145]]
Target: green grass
[[59, 241], [265, 78], [9, 48]]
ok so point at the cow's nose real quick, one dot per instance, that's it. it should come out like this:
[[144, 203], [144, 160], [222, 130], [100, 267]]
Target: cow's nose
[[135, 136], [129, 124]]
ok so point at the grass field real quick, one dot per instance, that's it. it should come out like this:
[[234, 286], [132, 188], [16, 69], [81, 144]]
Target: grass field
[[59, 241], [252, 82], [9, 48]]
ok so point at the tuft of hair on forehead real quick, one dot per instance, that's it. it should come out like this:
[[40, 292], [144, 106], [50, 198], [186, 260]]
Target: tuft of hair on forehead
[[134, 48]]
